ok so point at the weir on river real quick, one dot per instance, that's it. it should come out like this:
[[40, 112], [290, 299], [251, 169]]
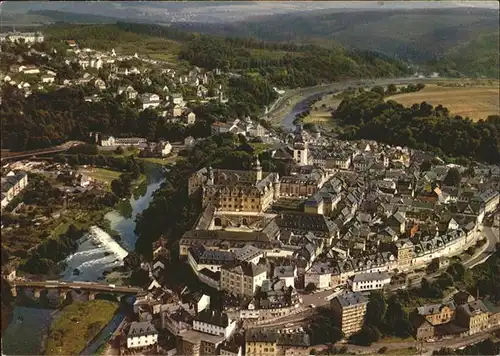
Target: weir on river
[[98, 234]]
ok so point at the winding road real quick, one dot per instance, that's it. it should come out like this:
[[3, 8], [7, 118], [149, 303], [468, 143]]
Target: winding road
[[302, 94]]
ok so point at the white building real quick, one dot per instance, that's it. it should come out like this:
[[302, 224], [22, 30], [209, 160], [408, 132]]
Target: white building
[[200, 257], [248, 253], [370, 281], [141, 334], [320, 275], [31, 70], [26, 37], [165, 149], [150, 100], [214, 323], [177, 99], [48, 79], [12, 184], [287, 274]]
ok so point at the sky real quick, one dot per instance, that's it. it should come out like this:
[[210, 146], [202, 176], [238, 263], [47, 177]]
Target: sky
[[217, 10]]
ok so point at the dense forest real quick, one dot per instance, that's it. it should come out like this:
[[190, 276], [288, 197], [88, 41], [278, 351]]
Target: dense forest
[[454, 41], [420, 126]]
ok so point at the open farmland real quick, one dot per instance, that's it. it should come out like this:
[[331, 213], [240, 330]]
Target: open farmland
[[475, 102]]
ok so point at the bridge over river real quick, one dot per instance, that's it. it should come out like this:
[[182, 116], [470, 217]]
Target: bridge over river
[[91, 288]]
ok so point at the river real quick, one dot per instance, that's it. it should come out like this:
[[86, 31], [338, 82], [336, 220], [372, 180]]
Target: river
[[91, 260], [312, 93], [24, 335]]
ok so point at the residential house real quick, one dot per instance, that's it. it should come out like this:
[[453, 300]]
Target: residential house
[[141, 334], [48, 79], [195, 343], [12, 184], [177, 111], [214, 323], [260, 342], [100, 84], [370, 281], [177, 99], [404, 253], [288, 274], [230, 349], [473, 316], [320, 274], [423, 330], [292, 343], [129, 91], [437, 314], [30, 69], [190, 118], [26, 37], [200, 257], [149, 100], [189, 142], [242, 278]]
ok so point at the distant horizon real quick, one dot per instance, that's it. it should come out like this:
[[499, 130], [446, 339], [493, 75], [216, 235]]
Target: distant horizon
[[222, 11]]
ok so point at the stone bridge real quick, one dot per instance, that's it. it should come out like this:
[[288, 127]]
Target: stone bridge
[[64, 287]]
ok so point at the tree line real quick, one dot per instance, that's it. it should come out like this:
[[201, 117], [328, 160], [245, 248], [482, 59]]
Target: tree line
[[304, 66], [420, 126]]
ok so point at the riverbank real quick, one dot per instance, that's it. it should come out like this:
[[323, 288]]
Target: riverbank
[[77, 325], [295, 100]]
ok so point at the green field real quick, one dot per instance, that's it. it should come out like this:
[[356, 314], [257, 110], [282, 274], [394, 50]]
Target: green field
[[77, 325], [474, 102], [163, 161], [107, 37], [105, 176]]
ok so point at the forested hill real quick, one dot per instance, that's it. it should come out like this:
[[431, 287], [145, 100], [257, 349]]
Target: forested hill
[[283, 64], [417, 35]]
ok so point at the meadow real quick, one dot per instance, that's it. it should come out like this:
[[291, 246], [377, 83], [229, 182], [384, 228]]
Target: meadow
[[476, 102]]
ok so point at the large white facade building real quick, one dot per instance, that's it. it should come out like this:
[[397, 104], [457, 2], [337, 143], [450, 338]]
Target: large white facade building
[[370, 281], [141, 334], [214, 323], [26, 37], [320, 275]]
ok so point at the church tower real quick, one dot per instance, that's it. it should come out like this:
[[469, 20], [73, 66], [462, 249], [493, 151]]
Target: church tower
[[300, 147], [276, 187], [210, 173], [257, 168]]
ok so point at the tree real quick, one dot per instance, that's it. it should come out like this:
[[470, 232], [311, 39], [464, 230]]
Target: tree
[[311, 287], [391, 89], [375, 310], [119, 150], [132, 261], [453, 177], [425, 166], [378, 89], [420, 86], [365, 337]]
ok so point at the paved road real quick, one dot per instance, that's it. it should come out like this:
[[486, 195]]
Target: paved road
[[426, 347], [492, 238], [76, 285], [325, 88]]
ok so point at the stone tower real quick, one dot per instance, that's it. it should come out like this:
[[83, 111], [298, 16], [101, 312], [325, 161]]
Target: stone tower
[[276, 187], [257, 168], [300, 147]]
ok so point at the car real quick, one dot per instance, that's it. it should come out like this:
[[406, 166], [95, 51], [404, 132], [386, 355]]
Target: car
[[288, 325], [312, 306]]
